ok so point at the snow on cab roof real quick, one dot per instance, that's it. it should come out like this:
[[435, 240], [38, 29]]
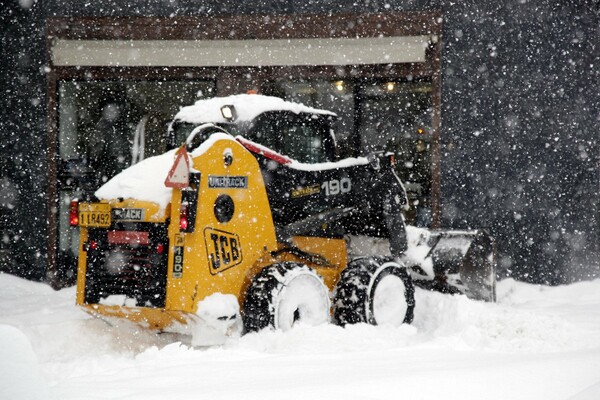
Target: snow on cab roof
[[247, 107]]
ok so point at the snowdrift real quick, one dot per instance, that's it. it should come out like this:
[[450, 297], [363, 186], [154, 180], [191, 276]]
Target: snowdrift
[[536, 343]]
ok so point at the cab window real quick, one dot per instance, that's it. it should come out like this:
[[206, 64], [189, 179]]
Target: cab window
[[302, 137]]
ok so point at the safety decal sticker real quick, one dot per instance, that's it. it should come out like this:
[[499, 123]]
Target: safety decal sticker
[[306, 191]]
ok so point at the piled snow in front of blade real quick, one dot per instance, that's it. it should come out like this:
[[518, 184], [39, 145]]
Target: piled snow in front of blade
[[460, 323]]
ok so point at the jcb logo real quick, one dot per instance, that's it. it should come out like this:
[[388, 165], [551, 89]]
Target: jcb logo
[[223, 250]]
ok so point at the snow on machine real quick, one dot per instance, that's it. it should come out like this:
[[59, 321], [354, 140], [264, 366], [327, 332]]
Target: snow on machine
[[253, 223]]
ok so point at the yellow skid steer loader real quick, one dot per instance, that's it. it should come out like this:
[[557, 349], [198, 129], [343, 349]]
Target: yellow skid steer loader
[[252, 223]]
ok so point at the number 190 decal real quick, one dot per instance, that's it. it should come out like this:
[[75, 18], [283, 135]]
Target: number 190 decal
[[335, 186]]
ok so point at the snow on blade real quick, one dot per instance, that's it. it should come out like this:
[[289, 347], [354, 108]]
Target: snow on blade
[[418, 249]]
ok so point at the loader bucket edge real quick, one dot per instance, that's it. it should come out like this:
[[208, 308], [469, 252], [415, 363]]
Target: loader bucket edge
[[467, 260]]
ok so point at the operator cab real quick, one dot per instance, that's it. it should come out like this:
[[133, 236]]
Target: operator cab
[[301, 133]]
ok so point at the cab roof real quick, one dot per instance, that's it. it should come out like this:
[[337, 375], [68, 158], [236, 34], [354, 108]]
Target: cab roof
[[247, 107]]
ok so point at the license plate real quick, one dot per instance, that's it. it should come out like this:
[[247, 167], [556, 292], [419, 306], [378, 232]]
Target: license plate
[[95, 215]]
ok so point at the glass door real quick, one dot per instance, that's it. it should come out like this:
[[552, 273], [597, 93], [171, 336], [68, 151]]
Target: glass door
[[104, 127]]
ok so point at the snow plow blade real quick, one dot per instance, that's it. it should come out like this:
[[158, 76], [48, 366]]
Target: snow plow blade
[[461, 262]]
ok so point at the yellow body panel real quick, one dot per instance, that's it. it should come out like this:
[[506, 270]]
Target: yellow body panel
[[333, 250], [246, 241], [251, 223], [81, 267]]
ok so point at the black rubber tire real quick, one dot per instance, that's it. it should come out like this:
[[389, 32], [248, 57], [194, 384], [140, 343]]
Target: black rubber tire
[[269, 289], [354, 294]]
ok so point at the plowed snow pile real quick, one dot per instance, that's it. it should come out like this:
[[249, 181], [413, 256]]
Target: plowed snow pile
[[535, 343]]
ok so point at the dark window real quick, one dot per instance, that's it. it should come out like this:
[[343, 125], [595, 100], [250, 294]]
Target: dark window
[[396, 117], [376, 116], [302, 137]]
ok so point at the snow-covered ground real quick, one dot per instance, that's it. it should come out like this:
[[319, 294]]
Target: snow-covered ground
[[535, 343]]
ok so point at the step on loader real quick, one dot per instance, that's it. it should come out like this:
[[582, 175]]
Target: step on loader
[[262, 227]]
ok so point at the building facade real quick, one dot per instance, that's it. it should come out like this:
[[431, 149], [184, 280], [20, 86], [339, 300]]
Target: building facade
[[115, 83], [83, 83]]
